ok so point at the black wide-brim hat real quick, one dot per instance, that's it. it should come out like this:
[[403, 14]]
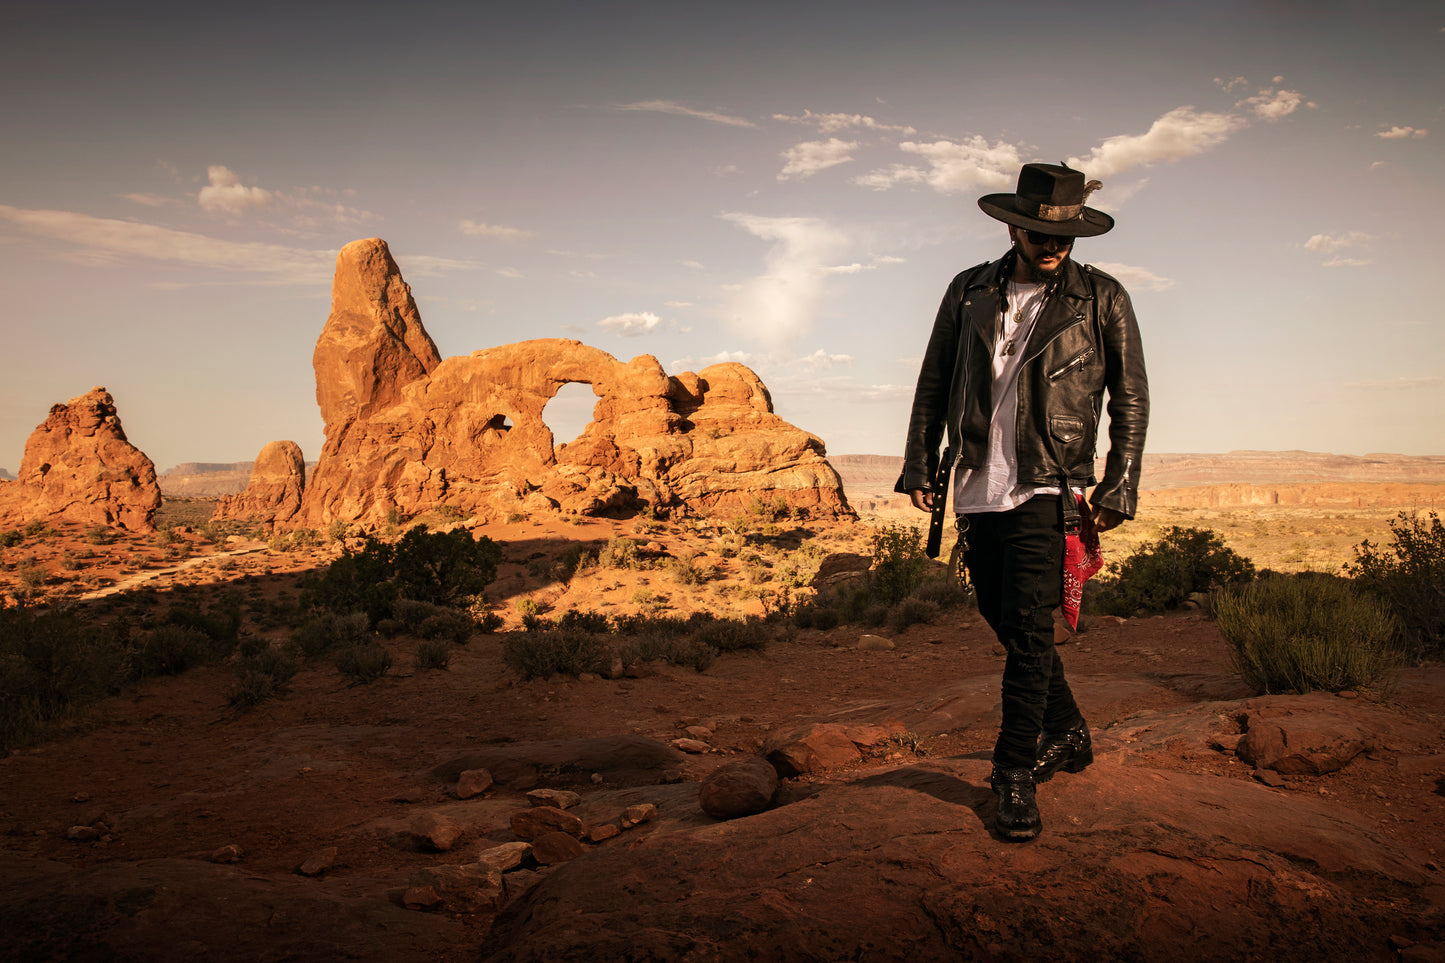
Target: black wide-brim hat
[[1050, 200]]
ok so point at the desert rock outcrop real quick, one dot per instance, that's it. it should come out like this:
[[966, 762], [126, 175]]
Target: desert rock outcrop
[[79, 466], [407, 431], [273, 496]]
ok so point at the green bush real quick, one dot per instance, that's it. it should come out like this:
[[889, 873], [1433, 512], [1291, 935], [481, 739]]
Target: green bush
[[680, 650], [1161, 575], [1409, 577], [363, 662], [441, 568], [538, 655], [899, 564], [946, 592], [595, 622], [1298, 633]]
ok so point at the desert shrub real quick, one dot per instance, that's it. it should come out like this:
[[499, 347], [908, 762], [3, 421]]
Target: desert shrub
[[490, 622], [912, 611], [11, 537], [1161, 575], [411, 613], [573, 620], [619, 553], [363, 662], [1298, 633], [733, 635], [946, 592], [30, 577], [262, 673], [100, 535], [1409, 576], [52, 664], [327, 631], [667, 625], [221, 624], [683, 569], [449, 626], [434, 654], [874, 615], [678, 650], [444, 568], [38, 528], [899, 564], [169, 650], [537, 655]]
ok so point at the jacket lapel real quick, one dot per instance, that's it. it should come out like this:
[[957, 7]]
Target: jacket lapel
[[1065, 308]]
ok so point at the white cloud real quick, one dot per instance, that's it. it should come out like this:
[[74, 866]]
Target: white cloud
[[778, 306], [1400, 133], [632, 324], [1135, 278], [430, 266], [1396, 384], [1348, 262], [677, 304], [806, 159], [1331, 243], [953, 167], [1182, 132], [821, 360], [831, 123], [149, 200], [102, 240], [478, 229], [1271, 104], [510, 272], [696, 265], [672, 107], [225, 194], [690, 363]]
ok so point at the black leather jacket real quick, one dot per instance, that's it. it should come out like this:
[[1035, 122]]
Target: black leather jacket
[[1085, 340]]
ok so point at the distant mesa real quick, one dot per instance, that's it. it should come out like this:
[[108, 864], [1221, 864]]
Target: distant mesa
[[78, 466], [5, 475], [408, 431]]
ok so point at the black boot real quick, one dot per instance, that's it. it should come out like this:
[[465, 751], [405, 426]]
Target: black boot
[[1071, 750], [1017, 817]]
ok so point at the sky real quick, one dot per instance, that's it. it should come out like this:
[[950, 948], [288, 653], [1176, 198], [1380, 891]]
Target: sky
[[787, 185]]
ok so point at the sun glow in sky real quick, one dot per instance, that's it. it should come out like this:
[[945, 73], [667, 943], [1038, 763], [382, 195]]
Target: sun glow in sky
[[787, 185]]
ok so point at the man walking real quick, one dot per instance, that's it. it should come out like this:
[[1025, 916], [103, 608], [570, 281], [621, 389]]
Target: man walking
[[1021, 353]]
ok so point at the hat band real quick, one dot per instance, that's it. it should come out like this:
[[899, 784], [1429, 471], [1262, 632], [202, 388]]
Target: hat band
[[1049, 212]]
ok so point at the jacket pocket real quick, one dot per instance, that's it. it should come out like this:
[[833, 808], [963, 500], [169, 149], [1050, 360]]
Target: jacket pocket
[[1077, 361], [1066, 428]]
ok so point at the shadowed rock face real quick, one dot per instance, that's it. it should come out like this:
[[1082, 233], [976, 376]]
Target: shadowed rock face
[[79, 466], [273, 495], [407, 431]]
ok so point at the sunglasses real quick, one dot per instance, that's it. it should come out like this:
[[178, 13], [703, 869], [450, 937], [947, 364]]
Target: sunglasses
[[1041, 239]]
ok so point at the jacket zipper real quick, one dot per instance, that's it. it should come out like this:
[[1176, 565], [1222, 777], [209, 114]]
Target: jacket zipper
[[1076, 362]]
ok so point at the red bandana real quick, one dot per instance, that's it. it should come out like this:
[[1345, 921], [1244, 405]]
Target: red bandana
[[1082, 558]]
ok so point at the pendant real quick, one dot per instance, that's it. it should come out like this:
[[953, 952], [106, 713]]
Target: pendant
[[1008, 349]]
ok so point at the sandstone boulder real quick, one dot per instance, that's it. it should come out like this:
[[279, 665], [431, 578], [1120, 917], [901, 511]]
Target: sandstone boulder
[[273, 496], [407, 431], [78, 466]]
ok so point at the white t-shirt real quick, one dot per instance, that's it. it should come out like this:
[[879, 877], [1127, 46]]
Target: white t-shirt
[[995, 487]]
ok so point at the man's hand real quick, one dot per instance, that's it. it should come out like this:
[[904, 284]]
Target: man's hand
[[1107, 518], [922, 499]]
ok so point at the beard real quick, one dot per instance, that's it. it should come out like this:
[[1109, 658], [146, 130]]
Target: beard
[[1037, 274]]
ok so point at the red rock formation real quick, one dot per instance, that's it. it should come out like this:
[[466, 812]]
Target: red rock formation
[[273, 496], [406, 432], [78, 466]]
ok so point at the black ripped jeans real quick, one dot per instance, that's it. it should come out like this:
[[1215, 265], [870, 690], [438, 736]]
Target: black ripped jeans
[[1016, 562]]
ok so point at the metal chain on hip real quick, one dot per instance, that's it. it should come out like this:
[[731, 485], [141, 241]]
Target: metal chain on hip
[[957, 569]]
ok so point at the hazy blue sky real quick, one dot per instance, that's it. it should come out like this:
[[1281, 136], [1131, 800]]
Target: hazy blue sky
[[787, 185]]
